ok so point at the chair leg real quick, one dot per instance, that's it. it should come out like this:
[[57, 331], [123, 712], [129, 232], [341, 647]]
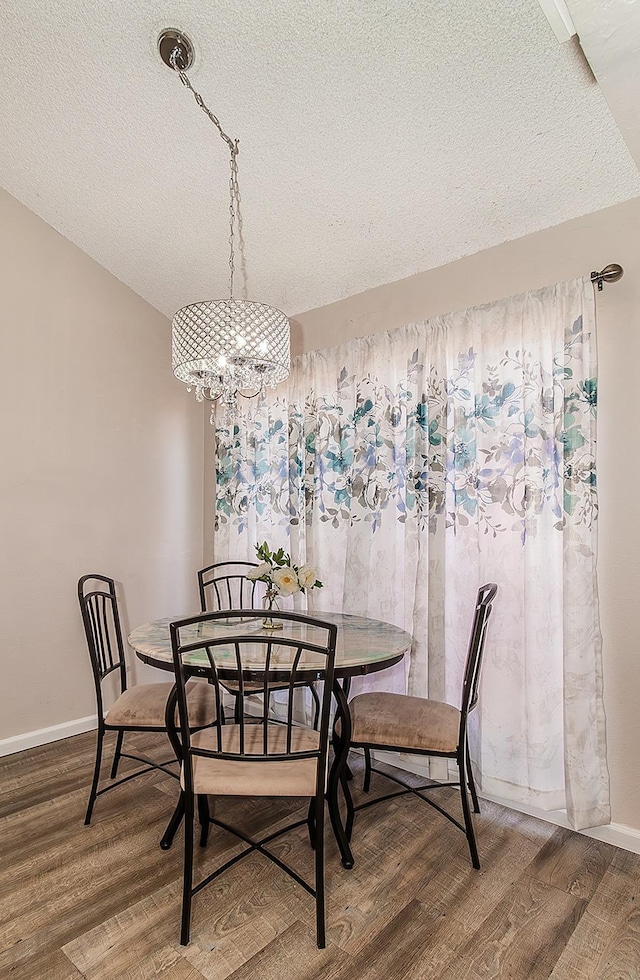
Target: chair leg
[[237, 713], [203, 814], [367, 769], [319, 849], [471, 781], [468, 815], [116, 755], [311, 823], [316, 699], [187, 876], [348, 828], [96, 776], [176, 819]]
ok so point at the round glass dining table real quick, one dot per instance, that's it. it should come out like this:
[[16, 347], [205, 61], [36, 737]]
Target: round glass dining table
[[364, 646]]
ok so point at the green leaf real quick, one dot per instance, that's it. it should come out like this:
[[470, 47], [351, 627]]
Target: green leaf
[[263, 552]]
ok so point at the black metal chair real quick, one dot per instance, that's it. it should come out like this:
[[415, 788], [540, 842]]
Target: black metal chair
[[225, 585], [136, 709], [398, 723], [254, 757]]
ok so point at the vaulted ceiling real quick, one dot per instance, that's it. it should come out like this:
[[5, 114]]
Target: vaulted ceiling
[[377, 139]]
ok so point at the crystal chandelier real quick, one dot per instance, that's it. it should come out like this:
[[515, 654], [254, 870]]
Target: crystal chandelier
[[224, 347]]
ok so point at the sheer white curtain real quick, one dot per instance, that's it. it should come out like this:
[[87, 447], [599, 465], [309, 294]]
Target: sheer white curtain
[[412, 466]]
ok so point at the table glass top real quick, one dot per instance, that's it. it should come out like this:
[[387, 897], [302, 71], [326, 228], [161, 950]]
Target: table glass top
[[361, 642]]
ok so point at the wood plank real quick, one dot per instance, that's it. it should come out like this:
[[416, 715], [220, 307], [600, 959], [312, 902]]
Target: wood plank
[[53, 770], [240, 913], [139, 941], [456, 889], [86, 882], [52, 965], [571, 862], [56, 827], [523, 937], [293, 954], [606, 943], [414, 942], [445, 944], [57, 772], [392, 861], [132, 808], [232, 919]]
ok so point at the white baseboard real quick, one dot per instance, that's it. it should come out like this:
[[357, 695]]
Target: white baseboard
[[618, 834], [44, 735]]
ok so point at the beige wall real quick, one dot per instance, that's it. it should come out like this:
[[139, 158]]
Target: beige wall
[[102, 467], [564, 252]]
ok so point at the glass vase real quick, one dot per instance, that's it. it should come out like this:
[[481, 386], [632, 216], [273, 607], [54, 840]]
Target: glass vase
[[270, 602]]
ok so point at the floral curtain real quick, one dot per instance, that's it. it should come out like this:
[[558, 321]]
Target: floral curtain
[[410, 467]]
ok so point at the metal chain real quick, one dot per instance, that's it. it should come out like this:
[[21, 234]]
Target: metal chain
[[234, 207], [234, 191]]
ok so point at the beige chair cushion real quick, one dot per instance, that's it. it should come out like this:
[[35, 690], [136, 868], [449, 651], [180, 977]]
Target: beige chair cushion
[[378, 718], [225, 777], [143, 706]]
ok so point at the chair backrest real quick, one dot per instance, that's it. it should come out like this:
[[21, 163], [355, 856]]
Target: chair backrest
[[486, 595], [101, 619], [224, 585], [303, 652]]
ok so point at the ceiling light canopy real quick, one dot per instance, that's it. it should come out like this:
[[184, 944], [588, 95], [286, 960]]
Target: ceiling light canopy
[[224, 347]]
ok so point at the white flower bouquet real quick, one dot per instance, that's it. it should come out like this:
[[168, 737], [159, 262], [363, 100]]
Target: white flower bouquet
[[282, 577]]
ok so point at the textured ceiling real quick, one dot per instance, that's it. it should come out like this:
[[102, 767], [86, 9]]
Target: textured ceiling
[[377, 139]]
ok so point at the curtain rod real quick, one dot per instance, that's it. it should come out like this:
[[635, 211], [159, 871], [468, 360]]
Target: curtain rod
[[610, 273]]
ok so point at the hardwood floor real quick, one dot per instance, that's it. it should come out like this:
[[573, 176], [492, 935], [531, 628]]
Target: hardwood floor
[[103, 902]]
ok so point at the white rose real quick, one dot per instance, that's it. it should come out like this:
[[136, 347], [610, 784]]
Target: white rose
[[255, 573], [286, 581], [307, 576]]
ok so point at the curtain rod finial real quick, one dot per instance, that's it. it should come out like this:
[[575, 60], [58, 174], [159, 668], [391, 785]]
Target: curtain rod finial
[[611, 273]]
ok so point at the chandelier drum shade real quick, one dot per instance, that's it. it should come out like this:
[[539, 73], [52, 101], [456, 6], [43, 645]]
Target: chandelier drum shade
[[224, 347], [221, 347]]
